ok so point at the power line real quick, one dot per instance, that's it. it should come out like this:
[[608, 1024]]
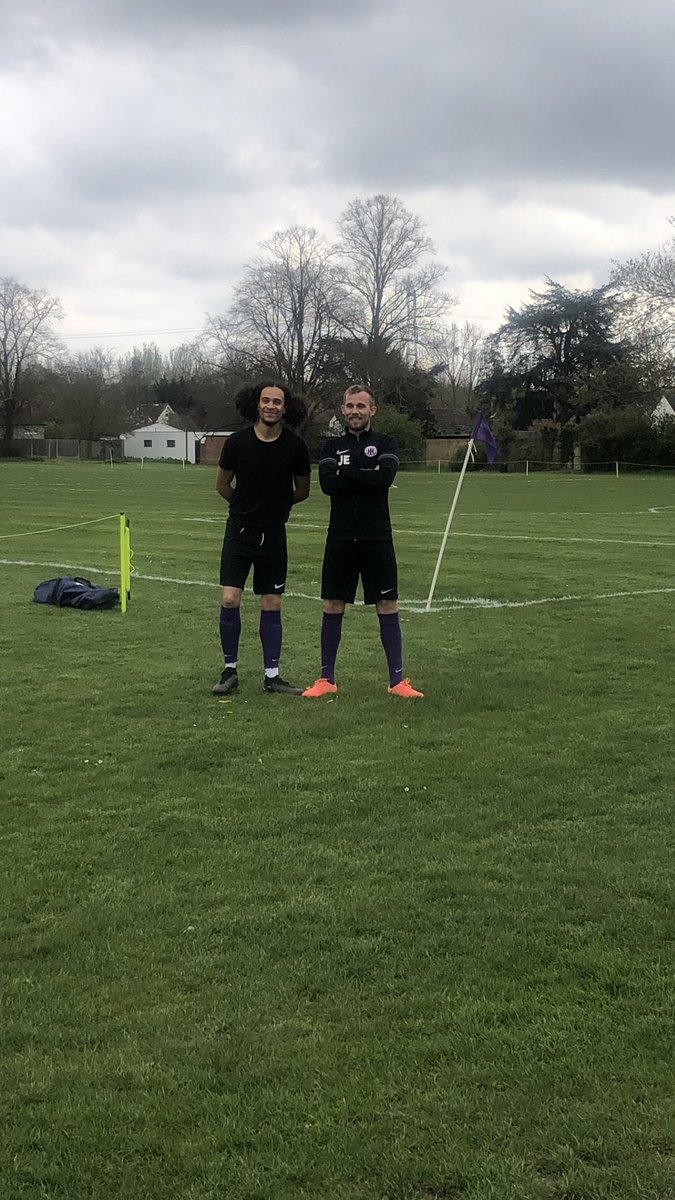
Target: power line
[[73, 337]]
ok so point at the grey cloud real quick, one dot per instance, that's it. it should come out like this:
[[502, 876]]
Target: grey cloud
[[87, 184], [37, 23], [507, 91], [141, 171], [501, 256], [130, 125], [427, 93]]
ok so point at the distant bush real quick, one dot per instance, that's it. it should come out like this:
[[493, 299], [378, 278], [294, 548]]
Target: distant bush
[[406, 430], [628, 436]]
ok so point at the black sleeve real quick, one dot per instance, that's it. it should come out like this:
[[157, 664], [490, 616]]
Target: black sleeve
[[331, 477], [388, 462], [302, 466], [228, 455]]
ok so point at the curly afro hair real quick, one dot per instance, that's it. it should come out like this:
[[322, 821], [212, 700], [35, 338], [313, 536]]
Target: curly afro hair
[[246, 401]]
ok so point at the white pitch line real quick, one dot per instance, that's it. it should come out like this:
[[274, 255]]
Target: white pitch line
[[570, 514], [24, 562], [519, 537], [506, 537], [527, 537], [208, 583], [453, 603]]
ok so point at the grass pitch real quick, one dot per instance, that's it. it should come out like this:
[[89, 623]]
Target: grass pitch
[[363, 949]]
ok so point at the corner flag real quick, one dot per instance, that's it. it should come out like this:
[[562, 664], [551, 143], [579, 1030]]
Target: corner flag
[[483, 433]]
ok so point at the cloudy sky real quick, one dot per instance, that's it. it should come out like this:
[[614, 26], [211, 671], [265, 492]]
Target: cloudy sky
[[149, 145]]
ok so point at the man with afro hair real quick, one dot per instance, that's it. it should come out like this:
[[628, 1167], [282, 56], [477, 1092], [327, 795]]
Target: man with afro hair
[[263, 471]]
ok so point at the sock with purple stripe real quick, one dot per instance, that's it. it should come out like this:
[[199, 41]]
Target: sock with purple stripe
[[270, 636], [331, 633], [390, 632], [230, 629]]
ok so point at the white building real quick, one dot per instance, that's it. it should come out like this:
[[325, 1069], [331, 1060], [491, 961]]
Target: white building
[[160, 441], [165, 441]]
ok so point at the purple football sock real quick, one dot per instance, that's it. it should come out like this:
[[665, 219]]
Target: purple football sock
[[331, 632], [270, 636], [390, 632], [230, 628]]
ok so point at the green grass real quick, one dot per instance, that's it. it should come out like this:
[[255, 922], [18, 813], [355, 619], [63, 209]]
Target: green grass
[[359, 950]]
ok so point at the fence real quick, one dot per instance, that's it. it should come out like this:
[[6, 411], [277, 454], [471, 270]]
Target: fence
[[533, 466], [67, 448], [530, 466]]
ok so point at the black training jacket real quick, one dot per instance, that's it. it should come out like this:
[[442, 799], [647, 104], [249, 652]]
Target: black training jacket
[[356, 470]]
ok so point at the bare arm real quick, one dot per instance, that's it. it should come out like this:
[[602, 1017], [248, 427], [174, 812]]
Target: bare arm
[[223, 484], [301, 488]]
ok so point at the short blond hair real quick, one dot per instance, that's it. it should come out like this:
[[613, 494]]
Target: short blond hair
[[355, 388]]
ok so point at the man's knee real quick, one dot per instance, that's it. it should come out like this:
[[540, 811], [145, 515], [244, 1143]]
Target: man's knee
[[334, 606], [231, 597], [270, 602], [386, 607]]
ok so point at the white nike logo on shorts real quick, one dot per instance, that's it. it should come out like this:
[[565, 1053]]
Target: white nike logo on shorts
[[278, 585], [385, 590]]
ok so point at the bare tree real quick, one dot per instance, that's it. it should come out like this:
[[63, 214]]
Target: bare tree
[[87, 405], [286, 310], [383, 246], [184, 360], [460, 355], [647, 287], [146, 363], [138, 371], [26, 336]]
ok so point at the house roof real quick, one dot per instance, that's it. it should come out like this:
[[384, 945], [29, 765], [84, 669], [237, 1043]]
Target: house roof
[[158, 427], [165, 412], [664, 408]]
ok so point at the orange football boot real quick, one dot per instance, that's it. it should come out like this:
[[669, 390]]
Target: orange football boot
[[404, 688], [322, 687]]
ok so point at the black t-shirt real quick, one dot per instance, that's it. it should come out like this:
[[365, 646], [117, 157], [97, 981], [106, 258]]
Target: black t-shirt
[[264, 472]]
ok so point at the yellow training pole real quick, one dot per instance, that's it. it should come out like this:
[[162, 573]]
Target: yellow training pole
[[127, 544], [123, 590], [125, 563]]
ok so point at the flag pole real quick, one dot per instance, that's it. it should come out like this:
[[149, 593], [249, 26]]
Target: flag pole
[[451, 514]]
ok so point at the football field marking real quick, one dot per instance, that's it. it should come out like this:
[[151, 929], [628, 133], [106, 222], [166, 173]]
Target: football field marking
[[445, 604], [454, 603], [507, 537]]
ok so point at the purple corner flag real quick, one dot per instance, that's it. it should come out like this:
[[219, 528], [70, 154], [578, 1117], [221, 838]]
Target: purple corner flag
[[483, 433]]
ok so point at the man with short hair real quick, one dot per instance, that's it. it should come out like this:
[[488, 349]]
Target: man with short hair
[[356, 470], [271, 468]]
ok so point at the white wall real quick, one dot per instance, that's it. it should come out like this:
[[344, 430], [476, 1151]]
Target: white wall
[[159, 436]]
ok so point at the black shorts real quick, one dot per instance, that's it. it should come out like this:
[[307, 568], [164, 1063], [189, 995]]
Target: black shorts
[[265, 551], [374, 562]]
